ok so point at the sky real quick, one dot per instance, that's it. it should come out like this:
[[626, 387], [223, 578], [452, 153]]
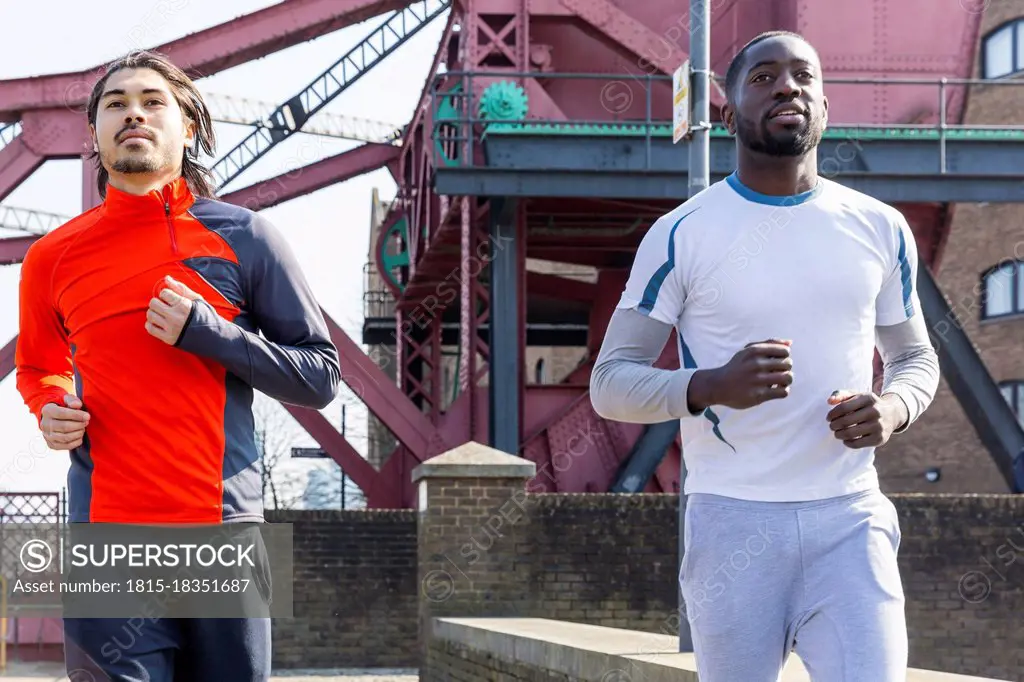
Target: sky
[[328, 230]]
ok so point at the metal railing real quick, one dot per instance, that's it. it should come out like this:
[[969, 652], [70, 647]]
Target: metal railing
[[457, 138], [31, 509]]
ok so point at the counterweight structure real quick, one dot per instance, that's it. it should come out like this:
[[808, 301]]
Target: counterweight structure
[[539, 154]]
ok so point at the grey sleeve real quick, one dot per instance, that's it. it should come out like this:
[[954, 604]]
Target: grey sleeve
[[624, 386], [296, 362], [911, 365]]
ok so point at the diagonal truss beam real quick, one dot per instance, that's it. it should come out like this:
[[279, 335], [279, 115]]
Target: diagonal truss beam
[[383, 398], [7, 357], [652, 49], [296, 183], [375, 485], [17, 163], [972, 384], [353, 65], [13, 249], [207, 52]]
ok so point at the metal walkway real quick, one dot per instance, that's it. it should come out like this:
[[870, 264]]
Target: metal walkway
[[527, 156]]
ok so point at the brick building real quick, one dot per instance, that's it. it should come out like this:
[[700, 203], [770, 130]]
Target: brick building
[[981, 271]]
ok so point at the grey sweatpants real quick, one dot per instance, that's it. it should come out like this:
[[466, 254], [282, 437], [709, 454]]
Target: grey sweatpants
[[760, 579]]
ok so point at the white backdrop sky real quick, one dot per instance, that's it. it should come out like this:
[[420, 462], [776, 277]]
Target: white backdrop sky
[[329, 229]]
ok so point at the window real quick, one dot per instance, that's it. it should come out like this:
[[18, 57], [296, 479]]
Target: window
[[538, 372], [1013, 391], [1003, 50], [1003, 290]]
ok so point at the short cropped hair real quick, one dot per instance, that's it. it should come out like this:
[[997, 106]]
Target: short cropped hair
[[736, 64]]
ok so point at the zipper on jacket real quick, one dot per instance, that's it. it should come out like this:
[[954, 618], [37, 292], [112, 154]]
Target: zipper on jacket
[[170, 223]]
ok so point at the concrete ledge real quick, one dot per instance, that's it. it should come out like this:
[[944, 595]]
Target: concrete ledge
[[590, 653], [473, 460]]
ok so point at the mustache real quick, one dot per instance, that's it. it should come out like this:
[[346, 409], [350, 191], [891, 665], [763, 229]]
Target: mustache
[[806, 113], [146, 132]]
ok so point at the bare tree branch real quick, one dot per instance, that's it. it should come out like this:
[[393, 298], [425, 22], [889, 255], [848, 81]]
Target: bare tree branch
[[276, 433], [310, 484]]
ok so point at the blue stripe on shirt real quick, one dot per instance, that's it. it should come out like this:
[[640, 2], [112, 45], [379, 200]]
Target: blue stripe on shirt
[[908, 286], [686, 357], [650, 297]]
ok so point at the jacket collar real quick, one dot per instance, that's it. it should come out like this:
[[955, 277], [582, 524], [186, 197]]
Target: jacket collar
[[172, 200]]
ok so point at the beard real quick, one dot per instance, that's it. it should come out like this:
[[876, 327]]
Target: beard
[[138, 160], [128, 165], [785, 143]]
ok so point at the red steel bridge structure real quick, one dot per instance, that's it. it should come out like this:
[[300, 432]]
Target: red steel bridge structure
[[544, 131]]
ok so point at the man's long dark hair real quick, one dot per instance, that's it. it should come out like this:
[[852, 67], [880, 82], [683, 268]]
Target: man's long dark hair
[[198, 177]]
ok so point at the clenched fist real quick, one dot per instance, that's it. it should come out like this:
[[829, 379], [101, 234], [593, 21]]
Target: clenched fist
[[757, 373], [168, 313], [863, 420], [64, 427]]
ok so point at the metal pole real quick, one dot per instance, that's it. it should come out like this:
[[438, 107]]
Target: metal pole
[[700, 172], [700, 68], [342, 470], [685, 638], [942, 126]]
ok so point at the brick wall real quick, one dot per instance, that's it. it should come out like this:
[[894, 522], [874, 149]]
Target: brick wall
[[981, 235], [354, 588], [962, 560], [605, 560]]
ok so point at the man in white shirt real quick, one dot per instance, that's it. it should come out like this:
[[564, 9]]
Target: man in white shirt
[[779, 284]]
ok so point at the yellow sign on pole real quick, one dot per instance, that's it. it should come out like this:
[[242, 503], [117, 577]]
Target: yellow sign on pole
[[681, 102]]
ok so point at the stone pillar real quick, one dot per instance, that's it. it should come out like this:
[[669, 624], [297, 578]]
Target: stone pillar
[[473, 505]]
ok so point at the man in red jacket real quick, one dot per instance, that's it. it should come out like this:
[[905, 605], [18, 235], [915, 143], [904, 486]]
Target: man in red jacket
[[140, 347]]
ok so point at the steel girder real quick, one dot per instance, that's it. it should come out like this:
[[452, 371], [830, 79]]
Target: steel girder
[[13, 249], [7, 357], [301, 181], [620, 26], [17, 162], [50, 107], [204, 53], [289, 118], [893, 170]]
